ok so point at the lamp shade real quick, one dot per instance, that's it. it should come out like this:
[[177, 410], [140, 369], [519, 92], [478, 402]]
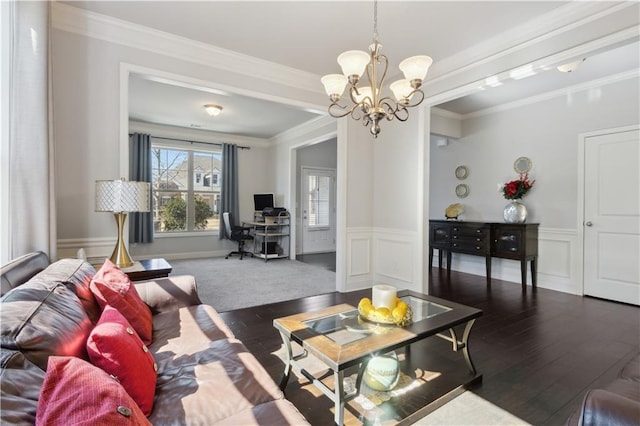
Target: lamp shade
[[401, 89], [334, 84], [353, 62], [365, 92], [416, 67], [122, 196]]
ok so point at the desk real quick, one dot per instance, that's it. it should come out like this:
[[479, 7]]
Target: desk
[[487, 239], [272, 232]]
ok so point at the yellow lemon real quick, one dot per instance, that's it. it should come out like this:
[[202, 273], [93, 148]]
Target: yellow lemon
[[399, 311], [383, 312], [365, 310], [398, 314], [364, 302]]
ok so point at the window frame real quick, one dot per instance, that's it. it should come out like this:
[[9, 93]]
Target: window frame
[[190, 191]]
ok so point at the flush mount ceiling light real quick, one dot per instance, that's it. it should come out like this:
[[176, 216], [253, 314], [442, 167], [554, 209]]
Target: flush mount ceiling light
[[571, 66], [369, 104], [213, 110]]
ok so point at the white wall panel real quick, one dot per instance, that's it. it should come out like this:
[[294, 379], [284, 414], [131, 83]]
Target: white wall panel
[[359, 255], [395, 255]]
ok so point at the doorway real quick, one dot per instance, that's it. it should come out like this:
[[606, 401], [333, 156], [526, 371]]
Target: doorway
[[318, 188], [612, 215], [316, 203]]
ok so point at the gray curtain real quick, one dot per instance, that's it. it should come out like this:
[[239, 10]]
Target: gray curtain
[[229, 192], [28, 202], [140, 224]]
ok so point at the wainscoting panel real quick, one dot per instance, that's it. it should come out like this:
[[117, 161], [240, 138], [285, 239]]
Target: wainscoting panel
[[101, 248], [359, 273], [396, 259], [557, 268], [93, 247]]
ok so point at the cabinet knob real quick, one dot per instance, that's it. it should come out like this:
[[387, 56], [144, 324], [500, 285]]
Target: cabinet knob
[[589, 223]]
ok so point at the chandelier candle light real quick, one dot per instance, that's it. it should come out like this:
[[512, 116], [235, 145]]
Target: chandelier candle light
[[369, 104], [120, 197]]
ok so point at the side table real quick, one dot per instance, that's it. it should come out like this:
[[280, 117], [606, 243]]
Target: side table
[[148, 269]]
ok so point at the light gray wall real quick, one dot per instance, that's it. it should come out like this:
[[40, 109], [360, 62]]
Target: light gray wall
[[546, 132]]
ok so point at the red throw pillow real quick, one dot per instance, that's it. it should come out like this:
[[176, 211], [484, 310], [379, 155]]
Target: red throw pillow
[[111, 286], [115, 347], [75, 392]]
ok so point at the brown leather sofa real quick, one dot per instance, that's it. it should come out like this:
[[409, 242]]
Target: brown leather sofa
[[618, 403], [205, 375]]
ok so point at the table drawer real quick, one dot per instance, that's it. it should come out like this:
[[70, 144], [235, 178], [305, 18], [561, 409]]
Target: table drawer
[[471, 247], [470, 231]]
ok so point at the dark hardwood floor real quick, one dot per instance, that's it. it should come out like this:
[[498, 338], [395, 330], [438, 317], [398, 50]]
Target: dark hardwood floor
[[538, 351]]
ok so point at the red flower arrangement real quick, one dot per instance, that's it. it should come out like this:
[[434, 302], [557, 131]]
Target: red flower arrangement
[[518, 188]]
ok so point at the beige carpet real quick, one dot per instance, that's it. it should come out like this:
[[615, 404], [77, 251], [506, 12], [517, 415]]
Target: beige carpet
[[468, 409]]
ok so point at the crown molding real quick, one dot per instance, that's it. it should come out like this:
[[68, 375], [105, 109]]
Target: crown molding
[[106, 28], [446, 114], [301, 130], [206, 136], [593, 84]]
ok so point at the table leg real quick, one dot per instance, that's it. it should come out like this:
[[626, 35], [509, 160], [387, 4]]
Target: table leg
[[463, 344], [338, 416], [465, 348], [523, 272], [288, 361], [430, 257], [487, 262], [534, 272]]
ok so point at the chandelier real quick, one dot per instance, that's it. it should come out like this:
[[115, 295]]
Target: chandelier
[[368, 102]]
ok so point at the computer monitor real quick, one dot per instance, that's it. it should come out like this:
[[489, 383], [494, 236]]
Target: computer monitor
[[260, 201]]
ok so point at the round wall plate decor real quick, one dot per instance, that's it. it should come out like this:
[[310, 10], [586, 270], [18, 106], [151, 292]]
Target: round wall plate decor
[[522, 165], [462, 172], [462, 190]]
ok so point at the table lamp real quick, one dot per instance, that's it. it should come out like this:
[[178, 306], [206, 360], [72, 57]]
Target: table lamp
[[120, 197]]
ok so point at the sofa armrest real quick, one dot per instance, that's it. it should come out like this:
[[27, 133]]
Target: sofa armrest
[[601, 407], [168, 294]]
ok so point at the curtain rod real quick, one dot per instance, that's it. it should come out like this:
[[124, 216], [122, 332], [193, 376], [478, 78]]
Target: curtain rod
[[186, 140]]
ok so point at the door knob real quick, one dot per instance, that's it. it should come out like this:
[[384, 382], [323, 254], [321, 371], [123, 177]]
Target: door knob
[[589, 223]]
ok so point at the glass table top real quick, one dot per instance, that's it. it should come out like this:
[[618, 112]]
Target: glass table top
[[348, 327]]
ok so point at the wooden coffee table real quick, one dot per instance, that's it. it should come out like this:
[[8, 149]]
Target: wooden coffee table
[[148, 269], [338, 338]]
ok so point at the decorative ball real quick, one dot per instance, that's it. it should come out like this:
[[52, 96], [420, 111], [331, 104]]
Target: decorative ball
[[382, 372]]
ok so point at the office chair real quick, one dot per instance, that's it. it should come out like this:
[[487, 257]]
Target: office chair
[[236, 233]]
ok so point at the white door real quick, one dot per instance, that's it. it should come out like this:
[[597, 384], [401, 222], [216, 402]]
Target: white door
[[318, 210], [612, 216]]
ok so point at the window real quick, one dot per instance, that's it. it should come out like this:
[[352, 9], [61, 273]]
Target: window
[[184, 199], [318, 199]]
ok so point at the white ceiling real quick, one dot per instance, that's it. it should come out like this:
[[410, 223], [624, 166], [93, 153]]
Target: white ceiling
[[308, 35], [601, 65], [173, 105]]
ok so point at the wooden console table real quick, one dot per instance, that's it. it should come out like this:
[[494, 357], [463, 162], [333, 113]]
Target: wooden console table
[[488, 239]]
